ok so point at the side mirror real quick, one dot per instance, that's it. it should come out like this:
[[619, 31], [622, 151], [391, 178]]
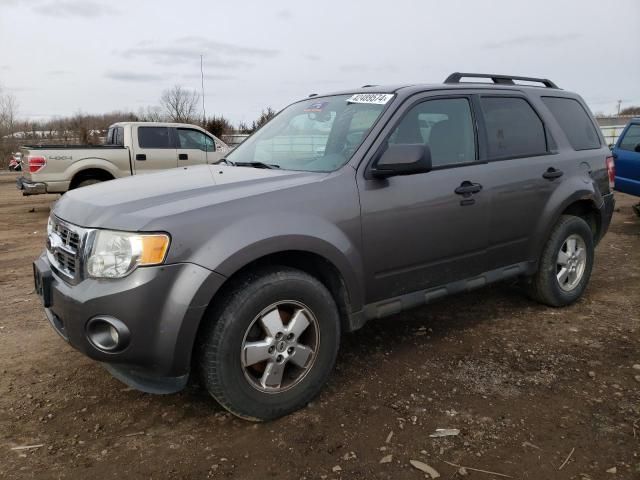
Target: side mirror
[[403, 159]]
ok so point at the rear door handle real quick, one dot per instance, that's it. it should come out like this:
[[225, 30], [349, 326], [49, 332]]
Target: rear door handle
[[141, 156], [468, 188], [183, 156], [552, 173]]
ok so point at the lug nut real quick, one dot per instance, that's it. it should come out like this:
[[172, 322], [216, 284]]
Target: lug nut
[[290, 350], [279, 358], [278, 335], [290, 336], [272, 349]]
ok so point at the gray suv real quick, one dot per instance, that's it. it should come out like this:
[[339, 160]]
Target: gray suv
[[343, 208]]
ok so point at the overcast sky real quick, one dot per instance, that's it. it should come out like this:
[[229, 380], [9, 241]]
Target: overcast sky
[[61, 57]]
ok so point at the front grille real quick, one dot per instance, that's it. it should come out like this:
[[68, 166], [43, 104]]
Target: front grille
[[64, 248]]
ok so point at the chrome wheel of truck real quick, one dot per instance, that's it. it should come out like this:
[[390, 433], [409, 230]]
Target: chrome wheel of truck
[[279, 347]]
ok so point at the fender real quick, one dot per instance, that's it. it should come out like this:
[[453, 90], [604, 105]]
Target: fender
[[94, 163], [568, 192], [251, 238]]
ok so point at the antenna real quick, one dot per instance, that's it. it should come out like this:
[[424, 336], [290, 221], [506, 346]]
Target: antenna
[[204, 112]]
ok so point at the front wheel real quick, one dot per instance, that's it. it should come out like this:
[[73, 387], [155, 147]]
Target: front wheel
[[270, 345], [565, 264]]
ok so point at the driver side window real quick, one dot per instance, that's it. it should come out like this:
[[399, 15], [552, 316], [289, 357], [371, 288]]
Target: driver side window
[[195, 140], [444, 125], [631, 139]]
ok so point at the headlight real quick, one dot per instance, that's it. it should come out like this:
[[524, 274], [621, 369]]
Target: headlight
[[117, 254]]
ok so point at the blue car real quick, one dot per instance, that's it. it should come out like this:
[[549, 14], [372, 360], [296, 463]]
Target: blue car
[[626, 154]]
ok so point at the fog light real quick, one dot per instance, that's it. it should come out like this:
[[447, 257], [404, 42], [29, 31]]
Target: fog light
[[107, 334]]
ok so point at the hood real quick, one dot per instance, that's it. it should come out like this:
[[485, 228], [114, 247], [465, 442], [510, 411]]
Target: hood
[[134, 202]]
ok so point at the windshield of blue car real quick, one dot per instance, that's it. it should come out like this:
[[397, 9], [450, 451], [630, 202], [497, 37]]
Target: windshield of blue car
[[315, 135]]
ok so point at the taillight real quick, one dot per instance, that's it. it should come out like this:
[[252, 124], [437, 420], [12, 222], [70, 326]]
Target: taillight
[[36, 163], [611, 171]]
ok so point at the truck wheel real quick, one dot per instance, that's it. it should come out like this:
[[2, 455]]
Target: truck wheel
[[87, 182], [565, 264], [269, 346]]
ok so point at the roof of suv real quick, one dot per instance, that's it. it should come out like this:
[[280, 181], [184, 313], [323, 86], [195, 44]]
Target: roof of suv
[[501, 82]]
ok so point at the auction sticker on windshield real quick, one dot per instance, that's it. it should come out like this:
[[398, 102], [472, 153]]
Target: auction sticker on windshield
[[375, 98], [316, 107]]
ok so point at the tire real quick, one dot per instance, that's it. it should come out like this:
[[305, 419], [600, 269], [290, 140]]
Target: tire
[[234, 332], [87, 182], [550, 285]]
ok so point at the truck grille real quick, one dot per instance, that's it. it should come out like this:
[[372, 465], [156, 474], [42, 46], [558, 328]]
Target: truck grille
[[64, 248]]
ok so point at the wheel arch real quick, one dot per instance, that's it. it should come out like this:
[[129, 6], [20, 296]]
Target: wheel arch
[[89, 173], [309, 262], [581, 203]]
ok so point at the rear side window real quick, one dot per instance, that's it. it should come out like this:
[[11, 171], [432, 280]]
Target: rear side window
[[514, 129], [154, 137], [118, 136], [631, 139], [574, 121]]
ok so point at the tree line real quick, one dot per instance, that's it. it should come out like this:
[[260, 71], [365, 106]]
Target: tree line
[[176, 104]]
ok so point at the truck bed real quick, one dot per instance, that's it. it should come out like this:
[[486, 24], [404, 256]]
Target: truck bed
[[70, 147]]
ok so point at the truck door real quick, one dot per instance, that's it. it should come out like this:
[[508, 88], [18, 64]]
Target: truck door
[[627, 158], [427, 229], [195, 147], [154, 149]]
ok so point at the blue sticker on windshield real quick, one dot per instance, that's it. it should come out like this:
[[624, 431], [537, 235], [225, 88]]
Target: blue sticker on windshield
[[316, 107]]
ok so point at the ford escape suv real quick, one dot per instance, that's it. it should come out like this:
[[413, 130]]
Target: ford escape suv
[[343, 208]]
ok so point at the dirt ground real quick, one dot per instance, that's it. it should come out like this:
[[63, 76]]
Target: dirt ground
[[527, 386]]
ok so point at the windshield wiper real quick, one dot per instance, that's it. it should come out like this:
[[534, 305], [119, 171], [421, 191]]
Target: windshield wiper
[[256, 165], [223, 161]]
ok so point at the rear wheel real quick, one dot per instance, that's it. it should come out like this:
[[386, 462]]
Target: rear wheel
[[565, 264], [87, 182], [269, 347]]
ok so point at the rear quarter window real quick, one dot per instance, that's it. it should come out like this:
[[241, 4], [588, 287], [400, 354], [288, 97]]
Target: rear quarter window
[[574, 121], [514, 129]]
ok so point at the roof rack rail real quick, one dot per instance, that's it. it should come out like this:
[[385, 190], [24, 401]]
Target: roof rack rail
[[498, 79], [368, 86]]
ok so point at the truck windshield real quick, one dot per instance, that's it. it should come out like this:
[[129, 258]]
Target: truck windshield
[[316, 135]]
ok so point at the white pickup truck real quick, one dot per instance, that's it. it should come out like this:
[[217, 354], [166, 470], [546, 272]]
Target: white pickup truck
[[130, 148]]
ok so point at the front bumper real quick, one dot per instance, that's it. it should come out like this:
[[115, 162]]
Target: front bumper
[[30, 188], [161, 307]]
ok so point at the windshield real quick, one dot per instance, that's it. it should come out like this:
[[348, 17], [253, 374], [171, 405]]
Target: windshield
[[316, 135]]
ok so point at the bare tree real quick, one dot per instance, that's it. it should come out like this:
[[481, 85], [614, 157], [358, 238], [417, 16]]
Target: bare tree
[[632, 110], [8, 113], [180, 104], [151, 114]]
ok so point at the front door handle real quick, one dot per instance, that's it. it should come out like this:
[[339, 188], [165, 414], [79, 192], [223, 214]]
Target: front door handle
[[183, 156], [552, 173], [468, 188], [141, 156]]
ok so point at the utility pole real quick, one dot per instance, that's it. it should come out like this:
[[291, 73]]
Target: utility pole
[[619, 105], [204, 113]]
